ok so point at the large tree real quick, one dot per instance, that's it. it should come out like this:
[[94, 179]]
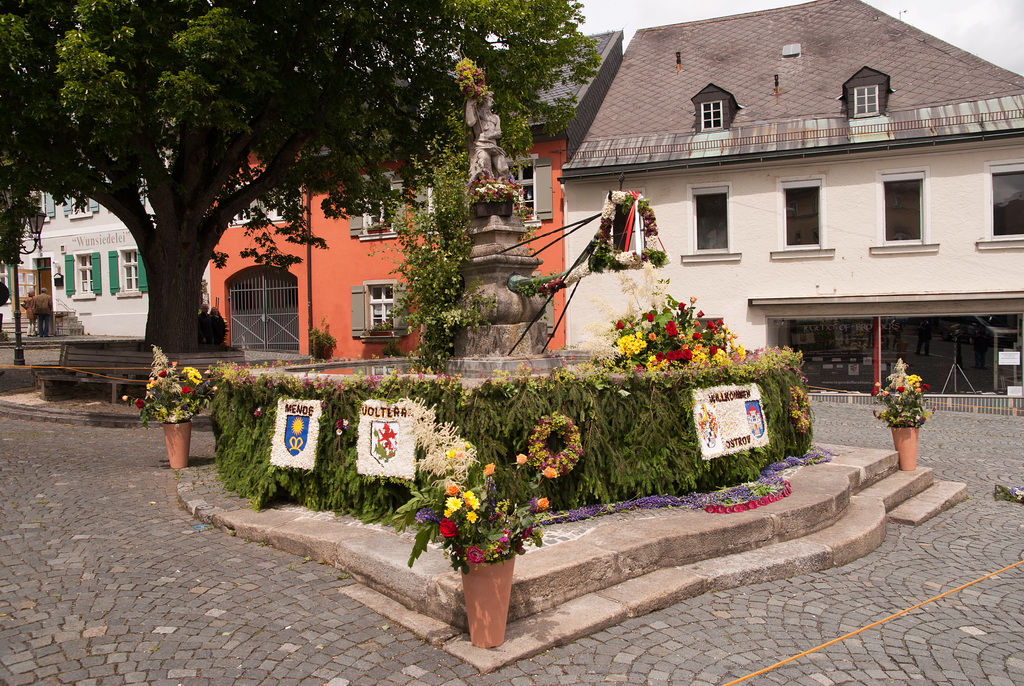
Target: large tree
[[180, 114]]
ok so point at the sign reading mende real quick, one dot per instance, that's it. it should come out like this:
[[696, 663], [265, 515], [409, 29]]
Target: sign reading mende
[[729, 419]]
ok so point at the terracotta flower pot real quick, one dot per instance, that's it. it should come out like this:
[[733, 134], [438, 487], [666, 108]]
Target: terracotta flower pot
[[487, 589], [905, 442], [178, 438]]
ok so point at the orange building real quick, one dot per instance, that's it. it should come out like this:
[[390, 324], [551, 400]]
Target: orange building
[[350, 285]]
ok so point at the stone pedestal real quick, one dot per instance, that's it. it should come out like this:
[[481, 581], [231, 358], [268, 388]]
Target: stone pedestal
[[487, 270]]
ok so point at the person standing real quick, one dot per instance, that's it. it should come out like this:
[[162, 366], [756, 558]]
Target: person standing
[[30, 312], [205, 325], [219, 326], [924, 336], [43, 309]]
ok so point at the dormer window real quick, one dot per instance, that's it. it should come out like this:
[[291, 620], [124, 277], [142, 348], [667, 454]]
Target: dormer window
[[865, 101], [866, 93], [715, 108], [711, 115]]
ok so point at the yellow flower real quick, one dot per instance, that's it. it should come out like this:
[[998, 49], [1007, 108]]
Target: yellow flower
[[193, 374], [471, 500], [471, 517], [453, 504], [450, 455]]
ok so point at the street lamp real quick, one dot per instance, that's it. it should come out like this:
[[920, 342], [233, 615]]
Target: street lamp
[[34, 229]]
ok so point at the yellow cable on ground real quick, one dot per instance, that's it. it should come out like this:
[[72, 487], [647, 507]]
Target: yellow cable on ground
[[874, 624]]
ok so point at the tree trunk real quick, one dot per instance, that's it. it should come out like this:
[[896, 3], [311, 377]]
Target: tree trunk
[[174, 274]]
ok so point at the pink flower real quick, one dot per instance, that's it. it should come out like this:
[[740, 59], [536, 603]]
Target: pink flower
[[474, 555]]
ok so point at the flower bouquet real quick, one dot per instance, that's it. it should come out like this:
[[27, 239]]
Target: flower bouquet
[[902, 399], [173, 395], [473, 523], [489, 189]]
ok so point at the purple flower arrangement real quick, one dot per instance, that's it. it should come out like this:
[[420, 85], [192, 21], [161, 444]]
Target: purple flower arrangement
[[766, 490]]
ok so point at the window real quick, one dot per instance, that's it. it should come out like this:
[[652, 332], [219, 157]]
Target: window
[[902, 196], [130, 269], [711, 115], [803, 221], [83, 265], [382, 304], [711, 218], [865, 101], [523, 173], [1008, 203]]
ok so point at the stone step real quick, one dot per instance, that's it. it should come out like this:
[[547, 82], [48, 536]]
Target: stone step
[[899, 486], [938, 498]]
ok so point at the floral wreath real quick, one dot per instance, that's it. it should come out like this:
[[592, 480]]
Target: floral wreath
[[566, 429], [605, 256], [799, 410]]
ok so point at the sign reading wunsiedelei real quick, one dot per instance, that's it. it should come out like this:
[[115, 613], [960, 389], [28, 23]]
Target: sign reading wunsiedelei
[[387, 439], [729, 419], [296, 430]]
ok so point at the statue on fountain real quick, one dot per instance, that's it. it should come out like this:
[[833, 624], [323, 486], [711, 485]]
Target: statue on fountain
[[485, 155]]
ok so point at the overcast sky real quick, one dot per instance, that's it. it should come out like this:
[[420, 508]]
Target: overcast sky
[[991, 29]]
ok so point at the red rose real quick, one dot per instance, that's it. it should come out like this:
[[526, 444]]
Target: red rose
[[448, 528], [711, 326], [763, 500], [185, 390], [700, 313], [619, 325], [660, 357], [709, 509], [162, 373], [714, 350], [874, 391], [682, 307], [650, 316], [139, 404], [686, 354], [926, 387], [900, 389], [719, 322], [474, 555], [671, 329], [696, 335]]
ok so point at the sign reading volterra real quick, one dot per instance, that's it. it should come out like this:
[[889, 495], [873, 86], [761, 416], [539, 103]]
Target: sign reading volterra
[[387, 439], [729, 419]]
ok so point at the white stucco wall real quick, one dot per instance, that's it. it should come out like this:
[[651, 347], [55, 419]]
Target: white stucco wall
[[956, 215]]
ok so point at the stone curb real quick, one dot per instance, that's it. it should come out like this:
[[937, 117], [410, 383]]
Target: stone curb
[[837, 514], [108, 420]]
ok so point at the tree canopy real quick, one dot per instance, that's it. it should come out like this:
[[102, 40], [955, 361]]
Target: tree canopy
[[179, 115]]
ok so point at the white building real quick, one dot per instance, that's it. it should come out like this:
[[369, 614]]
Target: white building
[[89, 263], [826, 177]]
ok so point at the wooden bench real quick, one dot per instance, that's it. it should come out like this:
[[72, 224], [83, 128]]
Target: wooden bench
[[117, 367]]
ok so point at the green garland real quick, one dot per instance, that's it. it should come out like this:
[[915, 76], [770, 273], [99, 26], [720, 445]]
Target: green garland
[[622, 458]]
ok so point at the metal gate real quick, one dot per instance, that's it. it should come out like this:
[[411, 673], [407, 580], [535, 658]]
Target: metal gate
[[265, 310]]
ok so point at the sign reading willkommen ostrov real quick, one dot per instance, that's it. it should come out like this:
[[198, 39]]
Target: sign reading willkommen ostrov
[[729, 419], [387, 439], [296, 430]]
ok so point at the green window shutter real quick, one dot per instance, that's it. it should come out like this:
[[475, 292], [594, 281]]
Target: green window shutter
[[358, 311], [94, 206], [67, 207], [97, 274], [143, 284], [401, 326], [355, 226], [51, 208], [115, 284], [543, 198], [69, 274]]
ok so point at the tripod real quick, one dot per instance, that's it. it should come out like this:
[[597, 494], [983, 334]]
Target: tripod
[[955, 367]]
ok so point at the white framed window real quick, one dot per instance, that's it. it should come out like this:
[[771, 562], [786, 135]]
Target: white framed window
[[130, 269], [1006, 217], [711, 218], [803, 213], [377, 224], [381, 305], [83, 272], [244, 216], [865, 101], [903, 207], [524, 175], [711, 115]]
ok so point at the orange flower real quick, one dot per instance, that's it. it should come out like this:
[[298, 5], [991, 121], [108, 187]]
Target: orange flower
[[451, 490], [542, 503], [550, 472], [520, 459], [489, 470], [652, 336]]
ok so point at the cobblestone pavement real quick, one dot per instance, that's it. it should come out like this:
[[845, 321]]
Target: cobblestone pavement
[[103, 580]]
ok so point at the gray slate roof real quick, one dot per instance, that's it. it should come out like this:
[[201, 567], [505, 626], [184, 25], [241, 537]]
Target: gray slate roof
[[649, 100]]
